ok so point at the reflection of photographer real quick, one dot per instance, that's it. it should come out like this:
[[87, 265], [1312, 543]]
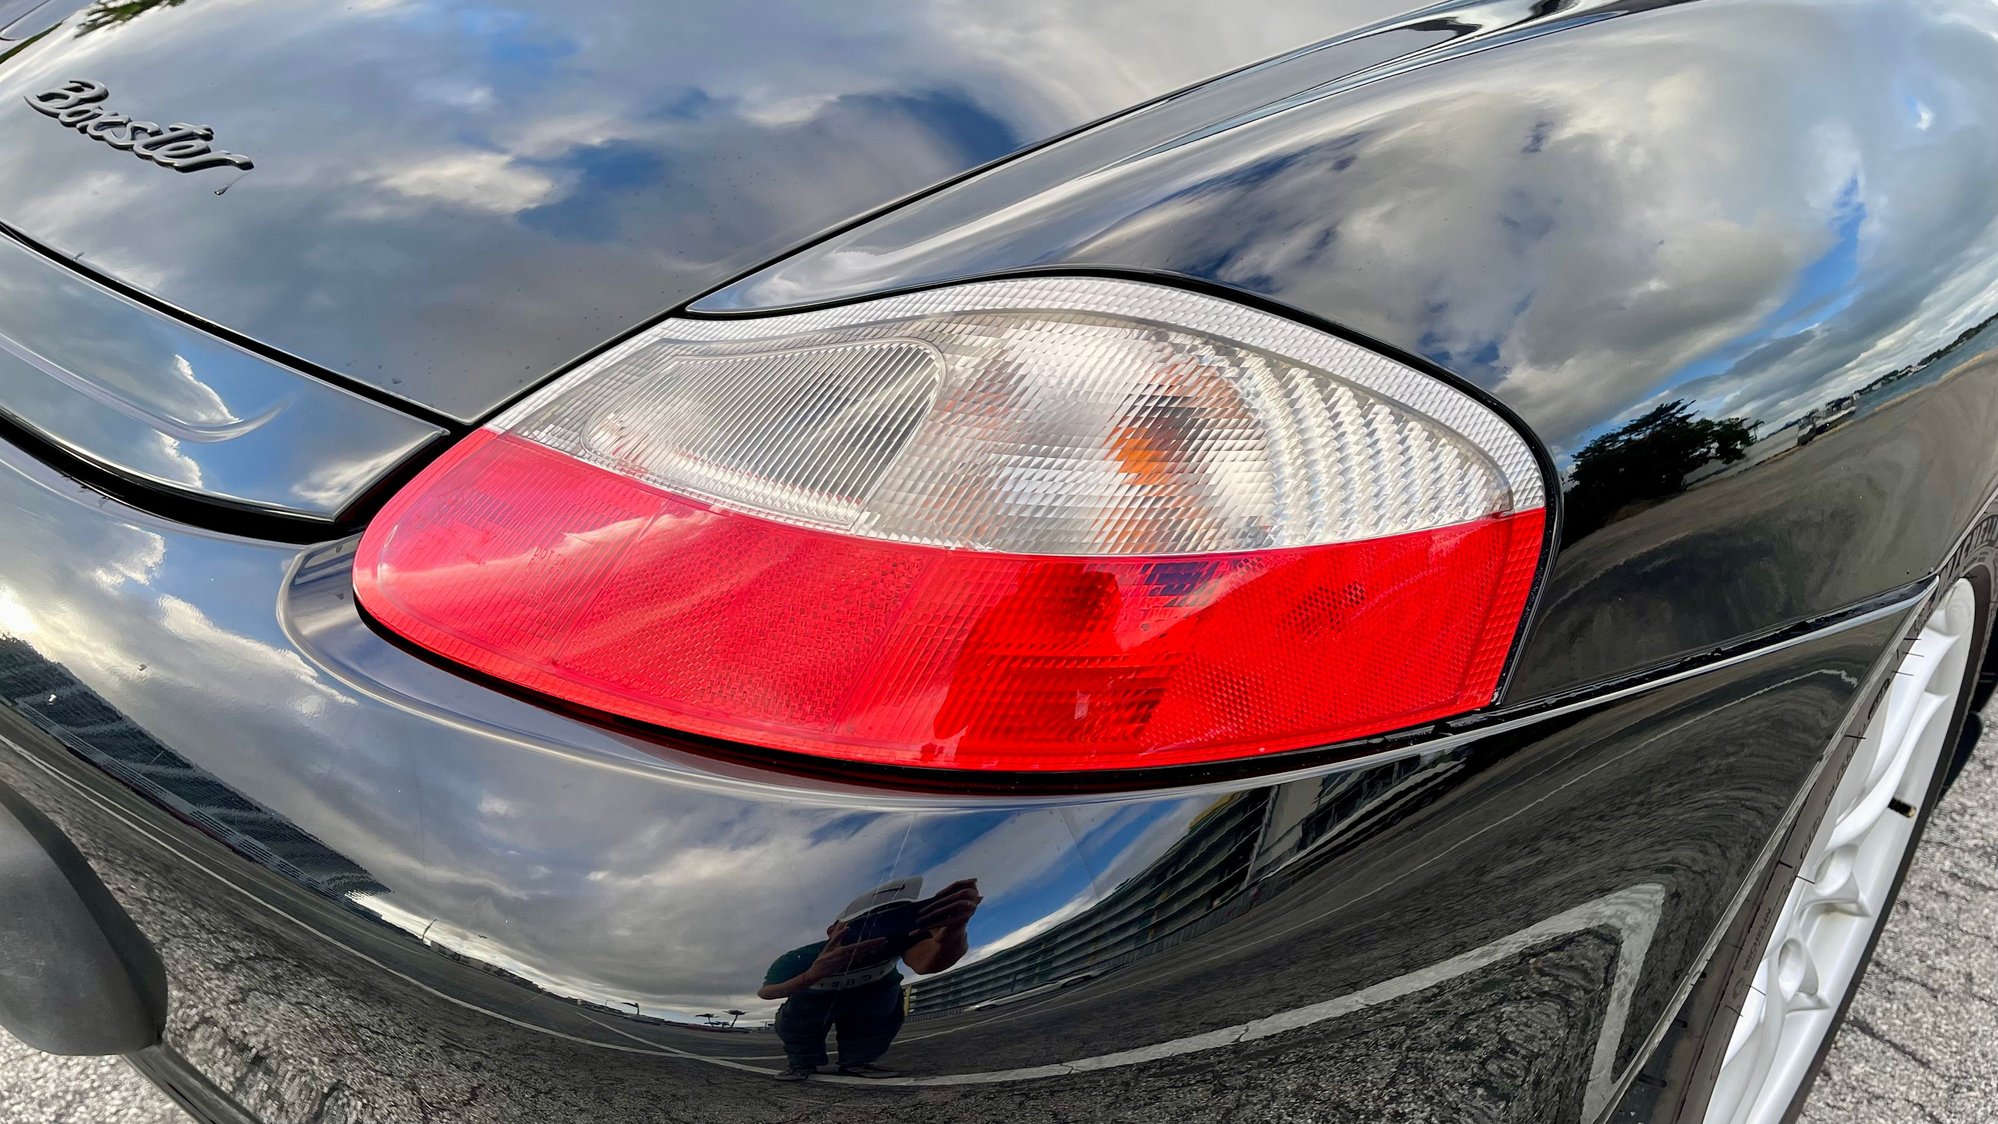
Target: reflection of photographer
[[849, 981]]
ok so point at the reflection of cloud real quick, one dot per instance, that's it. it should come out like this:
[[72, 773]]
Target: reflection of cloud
[[15, 619], [1028, 931], [1643, 228], [170, 462], [1079, 48], [641, 917], [611, 883], [266, 664], [208, 408], [459, 95], [1757, 208], [134, 566], [483, 181], [1577, 234], [329, 484], [435, 224], [547, 137]]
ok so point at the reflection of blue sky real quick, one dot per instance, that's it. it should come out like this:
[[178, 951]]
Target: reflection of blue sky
[[538, 177], [1580, 237], [450, 192], [1825, 288], [596, 881], [167, 402], [1652, 240], [1761, 206], [1043, 866], [597, 172]]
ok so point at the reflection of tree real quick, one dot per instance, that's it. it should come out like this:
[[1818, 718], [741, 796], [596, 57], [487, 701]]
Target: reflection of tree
[[112, 13], [1945, 351], [19, 47], [1648, 459]]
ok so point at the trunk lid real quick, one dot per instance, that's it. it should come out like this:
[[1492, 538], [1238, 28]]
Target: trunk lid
[[451, 199]]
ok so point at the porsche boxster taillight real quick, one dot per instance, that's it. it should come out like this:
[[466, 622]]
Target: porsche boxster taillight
[[1049, 524]]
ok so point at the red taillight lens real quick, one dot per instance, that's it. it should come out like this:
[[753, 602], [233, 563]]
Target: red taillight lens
[[1004, 527]]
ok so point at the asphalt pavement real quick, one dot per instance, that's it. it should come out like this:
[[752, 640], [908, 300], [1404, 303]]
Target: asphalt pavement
[[1921, 1044]]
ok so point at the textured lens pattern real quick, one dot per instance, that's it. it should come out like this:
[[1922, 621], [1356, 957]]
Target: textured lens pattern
[[1057, 524], [774, 634], [802, 431], [1073, 416]]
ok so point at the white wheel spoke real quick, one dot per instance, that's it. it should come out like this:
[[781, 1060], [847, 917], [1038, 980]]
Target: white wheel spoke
[[1838, 885], [1841, 889], [1802, 985], [1890, 767]]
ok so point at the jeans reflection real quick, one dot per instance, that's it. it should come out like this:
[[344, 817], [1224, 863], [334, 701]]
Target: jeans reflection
[[850, 981]]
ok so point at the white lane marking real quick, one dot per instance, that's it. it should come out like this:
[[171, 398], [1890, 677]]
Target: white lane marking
[[1633, 912]]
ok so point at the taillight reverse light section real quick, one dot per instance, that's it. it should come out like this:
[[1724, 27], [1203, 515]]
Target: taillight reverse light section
[[1028, 525]]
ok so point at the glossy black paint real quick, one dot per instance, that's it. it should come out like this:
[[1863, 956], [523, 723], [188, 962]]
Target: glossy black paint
[[1751, 207], [139, 393], [25, 19], [509, 878], [386, 892], [1613, 254], [453, 198]]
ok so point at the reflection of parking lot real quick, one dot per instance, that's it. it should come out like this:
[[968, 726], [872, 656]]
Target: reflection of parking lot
[[1923, 1042]]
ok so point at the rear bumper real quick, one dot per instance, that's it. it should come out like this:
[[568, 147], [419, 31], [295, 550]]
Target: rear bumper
[[383, 891]]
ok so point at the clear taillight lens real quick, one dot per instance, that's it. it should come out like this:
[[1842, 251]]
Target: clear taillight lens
[[1054, 524]]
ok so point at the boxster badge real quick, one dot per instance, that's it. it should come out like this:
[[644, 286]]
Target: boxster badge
[[184, 148]]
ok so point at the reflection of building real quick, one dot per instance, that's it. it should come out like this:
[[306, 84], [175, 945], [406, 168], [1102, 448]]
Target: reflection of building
[[1239, 852], [89, 726]]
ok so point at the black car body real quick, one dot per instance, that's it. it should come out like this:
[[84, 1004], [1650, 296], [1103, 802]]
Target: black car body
[[382, 890]]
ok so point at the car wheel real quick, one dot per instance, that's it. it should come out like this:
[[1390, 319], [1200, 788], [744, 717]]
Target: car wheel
[[1830, 899]]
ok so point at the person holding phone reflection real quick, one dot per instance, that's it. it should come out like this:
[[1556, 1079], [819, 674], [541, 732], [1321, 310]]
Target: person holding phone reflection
[[850, 981]]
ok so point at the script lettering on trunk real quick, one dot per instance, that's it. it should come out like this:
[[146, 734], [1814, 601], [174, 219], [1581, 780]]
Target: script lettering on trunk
[[183, 147]]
